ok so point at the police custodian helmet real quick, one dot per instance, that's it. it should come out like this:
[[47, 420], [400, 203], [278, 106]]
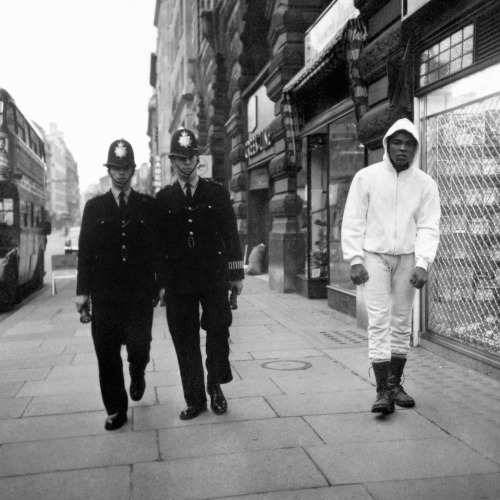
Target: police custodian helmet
[[120, 154], [183, 143]]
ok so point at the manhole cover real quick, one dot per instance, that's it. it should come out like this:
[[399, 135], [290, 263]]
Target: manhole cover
[[286, 365]]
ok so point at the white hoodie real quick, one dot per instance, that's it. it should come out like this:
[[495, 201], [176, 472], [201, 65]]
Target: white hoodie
[[391, 213]]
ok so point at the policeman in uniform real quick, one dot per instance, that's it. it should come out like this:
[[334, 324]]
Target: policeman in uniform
[[201, 261], [117, 262]]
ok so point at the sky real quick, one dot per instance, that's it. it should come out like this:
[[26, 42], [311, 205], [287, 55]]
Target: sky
[[84, 65]]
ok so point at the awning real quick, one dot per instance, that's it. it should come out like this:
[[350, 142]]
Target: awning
[[345, 47], [327, 57]]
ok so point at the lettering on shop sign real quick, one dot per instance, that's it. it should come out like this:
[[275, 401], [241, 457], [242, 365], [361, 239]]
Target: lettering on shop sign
[[257, 143]]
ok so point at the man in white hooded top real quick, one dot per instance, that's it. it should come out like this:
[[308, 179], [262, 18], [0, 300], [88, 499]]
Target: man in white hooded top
[[390, 235]]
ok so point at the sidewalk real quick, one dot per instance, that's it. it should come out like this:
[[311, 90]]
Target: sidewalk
[[298, 427]]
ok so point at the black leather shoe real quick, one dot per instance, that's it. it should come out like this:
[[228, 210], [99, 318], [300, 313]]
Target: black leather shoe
[[115, 421], [218, 402], [137, 388], [192, 411]]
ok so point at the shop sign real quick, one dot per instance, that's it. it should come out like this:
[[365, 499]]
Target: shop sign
[[258, 143], [259, 179], [409, 7], [327, 27]]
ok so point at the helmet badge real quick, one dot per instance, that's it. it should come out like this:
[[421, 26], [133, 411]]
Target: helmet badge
[[120, 150], [185, 140]]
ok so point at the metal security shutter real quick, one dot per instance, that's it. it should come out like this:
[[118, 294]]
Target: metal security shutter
[[488, 35]]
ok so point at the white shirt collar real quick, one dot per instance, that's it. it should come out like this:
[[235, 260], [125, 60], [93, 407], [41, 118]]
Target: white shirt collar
[[192, 182], [116, 193]]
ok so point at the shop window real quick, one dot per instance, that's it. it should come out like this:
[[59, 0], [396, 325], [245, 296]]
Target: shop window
[[346, 157], [318, 206], [461, 151], [450, 55]]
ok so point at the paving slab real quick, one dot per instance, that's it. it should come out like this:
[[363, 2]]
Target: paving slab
[[18, 345], [39, 362], [52, 427], [24, 328], [224, 475], [13, 407], [358, 427], [336, 381], [235, 437], [249, 346], [346, 463], [321, 403], [318, 368], [35, 352], [117, 448], [24, 374], [59, 386], [470, 487], [10, 389], [350, 492], [287, 354], [163, 416], [107, 483], [65, 403]]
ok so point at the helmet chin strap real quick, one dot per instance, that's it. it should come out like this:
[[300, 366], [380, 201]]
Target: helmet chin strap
[[192, 170], [124, 183]]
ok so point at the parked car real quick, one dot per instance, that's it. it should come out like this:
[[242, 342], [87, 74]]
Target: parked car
[[71, 243]]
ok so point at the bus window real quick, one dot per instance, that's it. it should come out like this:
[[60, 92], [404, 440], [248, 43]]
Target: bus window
[[34, 141], [24, 214], [11, 118], [31, 215], [7, 211], [21, 127], [38, 216]]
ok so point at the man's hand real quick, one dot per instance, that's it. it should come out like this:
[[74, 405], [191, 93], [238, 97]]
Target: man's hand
[[359, 274], [80, 301], [418, 277], [161, 296], [238, 284]]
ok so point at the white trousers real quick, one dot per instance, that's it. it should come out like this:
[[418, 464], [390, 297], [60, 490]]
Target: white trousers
[[388, 296]]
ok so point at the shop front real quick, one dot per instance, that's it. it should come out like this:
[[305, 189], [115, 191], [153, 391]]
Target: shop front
[[258, 153], [325, 108], [457, 109], [332, 155]]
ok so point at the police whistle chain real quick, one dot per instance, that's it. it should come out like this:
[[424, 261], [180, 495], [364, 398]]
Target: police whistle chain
[[233, 298]]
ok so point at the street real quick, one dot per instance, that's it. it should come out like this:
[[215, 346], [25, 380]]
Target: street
[[298, 426]]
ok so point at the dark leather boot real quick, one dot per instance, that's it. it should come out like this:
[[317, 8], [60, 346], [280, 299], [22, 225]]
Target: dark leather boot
[[383, 403], [398, 394]]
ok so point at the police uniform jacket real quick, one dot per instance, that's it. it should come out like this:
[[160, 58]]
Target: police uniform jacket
[[118, 253], [200, 244]]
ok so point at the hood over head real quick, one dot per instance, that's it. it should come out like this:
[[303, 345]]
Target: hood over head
[[402, 125]]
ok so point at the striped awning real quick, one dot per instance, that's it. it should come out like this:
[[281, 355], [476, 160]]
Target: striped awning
[[344, 47], [329, 56]]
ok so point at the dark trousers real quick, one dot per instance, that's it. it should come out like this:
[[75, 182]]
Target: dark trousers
[[183, 317], [112, 326]]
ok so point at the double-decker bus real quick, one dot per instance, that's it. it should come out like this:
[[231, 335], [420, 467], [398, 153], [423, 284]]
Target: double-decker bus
[[23, 224]]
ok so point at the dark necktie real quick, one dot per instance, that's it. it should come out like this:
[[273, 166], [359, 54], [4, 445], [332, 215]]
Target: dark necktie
[[189, 194], [121, 201]]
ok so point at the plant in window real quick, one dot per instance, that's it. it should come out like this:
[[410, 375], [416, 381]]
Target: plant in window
[[319, 256]]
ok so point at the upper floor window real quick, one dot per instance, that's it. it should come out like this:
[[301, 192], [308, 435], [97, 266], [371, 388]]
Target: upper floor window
[[450, 55]]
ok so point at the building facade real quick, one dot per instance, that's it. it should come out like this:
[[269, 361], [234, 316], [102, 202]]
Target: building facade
[[456, 89], [62, 180], [291, 98]]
